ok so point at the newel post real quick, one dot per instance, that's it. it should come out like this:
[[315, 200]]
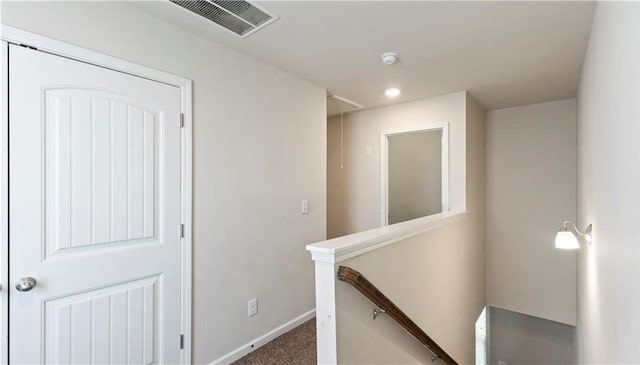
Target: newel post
[[326, 329]]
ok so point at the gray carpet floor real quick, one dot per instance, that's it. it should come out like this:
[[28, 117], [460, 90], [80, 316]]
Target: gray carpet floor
[[297, 346]]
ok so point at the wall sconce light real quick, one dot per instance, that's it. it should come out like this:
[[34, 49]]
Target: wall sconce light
[[567, 236]]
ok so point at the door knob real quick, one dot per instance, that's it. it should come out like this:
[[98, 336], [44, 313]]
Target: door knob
[[26, 284]]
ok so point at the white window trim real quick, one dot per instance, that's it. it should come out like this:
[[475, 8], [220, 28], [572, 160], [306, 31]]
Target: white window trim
[[384, 162], [44, 44]]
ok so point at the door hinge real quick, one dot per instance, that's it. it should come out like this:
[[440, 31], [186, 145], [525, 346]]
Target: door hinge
[[181, 230], [181, 342], [28, 46], [181, 120]]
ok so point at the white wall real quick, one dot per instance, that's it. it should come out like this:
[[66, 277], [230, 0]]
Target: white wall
[[609, 187], [475, 166], [436, 278], [520, 339], [531, 190], [415, 175], [353, 192], [259, 149]]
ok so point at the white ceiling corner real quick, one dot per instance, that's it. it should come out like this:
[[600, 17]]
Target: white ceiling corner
[[505, 53]]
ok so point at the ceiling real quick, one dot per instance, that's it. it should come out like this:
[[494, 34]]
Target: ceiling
[[504, 53]]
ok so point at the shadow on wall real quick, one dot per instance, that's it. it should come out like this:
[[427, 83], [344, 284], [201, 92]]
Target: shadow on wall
[[521, 339]]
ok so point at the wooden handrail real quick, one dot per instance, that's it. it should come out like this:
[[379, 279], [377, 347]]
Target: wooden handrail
[[369, 290]]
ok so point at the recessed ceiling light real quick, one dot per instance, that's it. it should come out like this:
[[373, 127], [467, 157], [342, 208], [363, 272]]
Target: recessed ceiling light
[[392, 92]]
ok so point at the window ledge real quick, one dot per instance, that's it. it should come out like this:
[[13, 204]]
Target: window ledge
[[342, 248]]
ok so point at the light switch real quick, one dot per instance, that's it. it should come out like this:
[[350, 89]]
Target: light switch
[[367, 151], [253, 307], [305, 207]]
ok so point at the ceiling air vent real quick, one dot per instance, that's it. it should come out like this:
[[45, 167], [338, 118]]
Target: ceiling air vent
[[239, 16]]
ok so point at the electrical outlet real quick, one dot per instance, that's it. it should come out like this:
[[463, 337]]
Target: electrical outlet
[[253, 307]]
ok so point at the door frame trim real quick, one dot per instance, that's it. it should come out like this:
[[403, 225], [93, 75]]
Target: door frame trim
[[4, 206], [20, 37], [384, 165]]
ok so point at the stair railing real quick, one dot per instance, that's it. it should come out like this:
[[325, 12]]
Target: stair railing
[[386, 306]]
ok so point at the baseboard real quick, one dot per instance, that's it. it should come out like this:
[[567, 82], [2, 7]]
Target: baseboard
[[260, 341]]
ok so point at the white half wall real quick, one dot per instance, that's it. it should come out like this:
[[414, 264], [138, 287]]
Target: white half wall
[[435, 278], [259, 148], [432, 268], [609, 187], [531, 190]]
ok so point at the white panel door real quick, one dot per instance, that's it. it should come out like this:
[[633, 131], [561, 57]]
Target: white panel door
[[4, 198], [94, 201]]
